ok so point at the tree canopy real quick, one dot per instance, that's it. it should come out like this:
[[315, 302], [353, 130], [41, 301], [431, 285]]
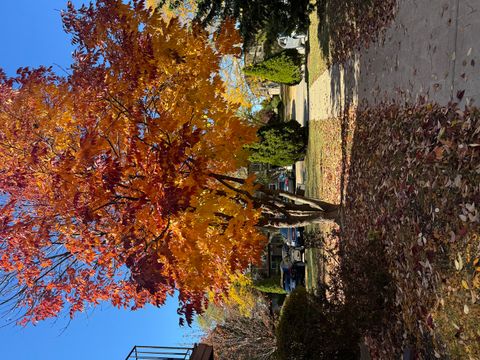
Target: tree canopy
[[267, 18], [115, 180], [106, 172]]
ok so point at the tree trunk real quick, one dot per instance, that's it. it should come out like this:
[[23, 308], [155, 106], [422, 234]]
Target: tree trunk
[[317, 204], [291, 221], [281, 209]]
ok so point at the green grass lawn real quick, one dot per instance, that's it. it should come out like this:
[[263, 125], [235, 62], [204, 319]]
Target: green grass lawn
[[313, 270], [270, 285], [316, 63]]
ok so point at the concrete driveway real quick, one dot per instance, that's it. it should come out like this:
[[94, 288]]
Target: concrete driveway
[[431, 51]]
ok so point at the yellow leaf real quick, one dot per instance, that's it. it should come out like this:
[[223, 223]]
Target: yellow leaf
[[476, 282]]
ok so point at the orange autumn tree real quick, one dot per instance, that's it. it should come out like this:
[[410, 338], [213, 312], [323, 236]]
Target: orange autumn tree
[[112, 178]]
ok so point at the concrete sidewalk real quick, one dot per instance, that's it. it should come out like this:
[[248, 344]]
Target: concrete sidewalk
[[431, 50]]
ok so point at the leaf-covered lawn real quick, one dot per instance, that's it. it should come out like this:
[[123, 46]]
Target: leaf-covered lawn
[[324, 159], [409, 244], [324, 167], [409, 241]]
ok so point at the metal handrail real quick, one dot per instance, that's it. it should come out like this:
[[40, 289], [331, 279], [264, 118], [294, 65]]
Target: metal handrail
[[159, 353]]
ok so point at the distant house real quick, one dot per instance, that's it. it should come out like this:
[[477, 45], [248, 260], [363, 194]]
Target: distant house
[[277, 179], [271, 258]]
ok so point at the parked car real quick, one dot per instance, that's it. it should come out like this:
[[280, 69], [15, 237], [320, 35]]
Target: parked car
[[293, 236], [293, 41]]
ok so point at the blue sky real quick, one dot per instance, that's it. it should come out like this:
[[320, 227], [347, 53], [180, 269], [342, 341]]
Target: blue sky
[[31, 35]]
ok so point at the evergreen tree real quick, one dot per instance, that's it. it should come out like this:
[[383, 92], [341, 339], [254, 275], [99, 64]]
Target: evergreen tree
[[282, 68], [271, 17], [280, 144]]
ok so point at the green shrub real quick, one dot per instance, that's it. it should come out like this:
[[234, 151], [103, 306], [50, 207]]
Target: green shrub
[[280, 144], [312, 328], [282, 68], [270, 285]]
